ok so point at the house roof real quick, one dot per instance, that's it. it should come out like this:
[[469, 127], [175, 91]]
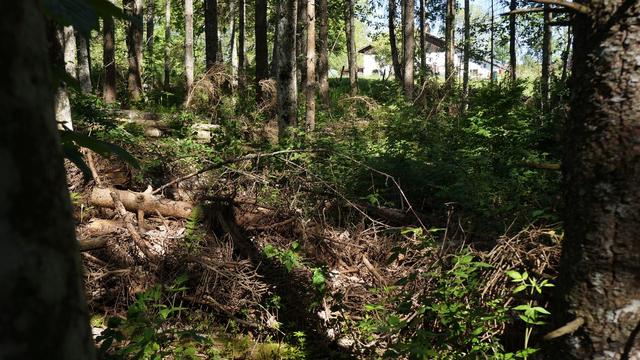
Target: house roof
[[367, 50]]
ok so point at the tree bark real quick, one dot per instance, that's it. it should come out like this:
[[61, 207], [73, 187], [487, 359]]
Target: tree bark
[[44, 314], [467, 52], [512, 42], [323, 56], [84, 63], [600, 263], [310, 119], [408, 52], [262, 49], [241, 44], [491, 47], [449, 69], [109, 60], [134, 201], [167, 41], [423, 49], [286, 58], [211, 31], [151, 21], [133, 8], [301, 42], [188, 44], [395, 57], [546, 60], [62, 53], [351, 49]]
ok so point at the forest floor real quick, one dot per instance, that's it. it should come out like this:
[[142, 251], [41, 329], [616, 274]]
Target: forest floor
[[389, 232]]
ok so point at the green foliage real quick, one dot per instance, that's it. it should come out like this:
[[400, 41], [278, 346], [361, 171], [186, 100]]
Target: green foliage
[[147, 331], [289, 258]]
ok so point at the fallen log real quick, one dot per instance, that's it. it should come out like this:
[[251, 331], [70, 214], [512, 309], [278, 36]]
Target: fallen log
[[134, 201], [92, 244]]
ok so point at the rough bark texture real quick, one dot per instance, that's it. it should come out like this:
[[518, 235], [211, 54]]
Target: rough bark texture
[[408, 52], [241, 45], [351, 49], [467, 45], [211, 31], [109, 60], [151, 24], [188, 44], [262, 49], [423, 52], [323, 56], [286, 58], [450, 30], [44, 315], [134, 201], [546, 60], [62, 55], [512, 42], [393, 42], [301, 43], [133, 8], [600, 268], [491, 43], [167, 40], [84, 63], [310, 118]]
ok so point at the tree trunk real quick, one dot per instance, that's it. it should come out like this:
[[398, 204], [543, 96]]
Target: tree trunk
[[262, 49], [565, 57], [512, 42], [151, 21], [546, 59], [395, 58], [241, 45], [600, 263], [211, 32], [133, 8], [467, 52], [351, 49], [286, 58], [301, 42], [134, 201], [323, 57], [188, 44], [408, 52], [423, 50], [44, 314], [491, 49], [449, 39], [310, 119], [68, 39], [63, 54], [109, 60], [84, 63], [167, 41]]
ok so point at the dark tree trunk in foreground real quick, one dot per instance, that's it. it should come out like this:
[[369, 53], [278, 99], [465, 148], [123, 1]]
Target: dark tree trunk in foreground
[[351, 49], [512, 42], [109, 60], [44, 315], [467, 52], [600, 267], [188, 44], [167, 40], [134, 47], [450, 30], [546, 60], [323, 56], [408, 52], [310, 118], [393, 41], [211, 31], [84, 63], [286, 58], [262, 49]]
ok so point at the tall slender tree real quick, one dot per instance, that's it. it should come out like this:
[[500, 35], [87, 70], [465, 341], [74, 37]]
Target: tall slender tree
[[241, 44], [423, 50], [167, 41], [84, 63], [467, 53], [62, 53], [323, 57], [151, 22], [211, 31], [286, 58], [546, 59], [44, 314], [408, 52], [188, 44], [310, 118], [351, 48], [512, 41], [134, 9], [491, 44], [393, 42], [450, 23], [301, 43], [262, 50], [600, 263], [109, 60]]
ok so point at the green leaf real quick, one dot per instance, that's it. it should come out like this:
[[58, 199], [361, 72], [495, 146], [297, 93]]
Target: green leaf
[[519, 288], [101, 147], [72, 153], [541, 310], [514, 275]]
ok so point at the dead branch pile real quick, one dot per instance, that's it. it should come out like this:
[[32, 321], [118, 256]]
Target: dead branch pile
[[207, 92]]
